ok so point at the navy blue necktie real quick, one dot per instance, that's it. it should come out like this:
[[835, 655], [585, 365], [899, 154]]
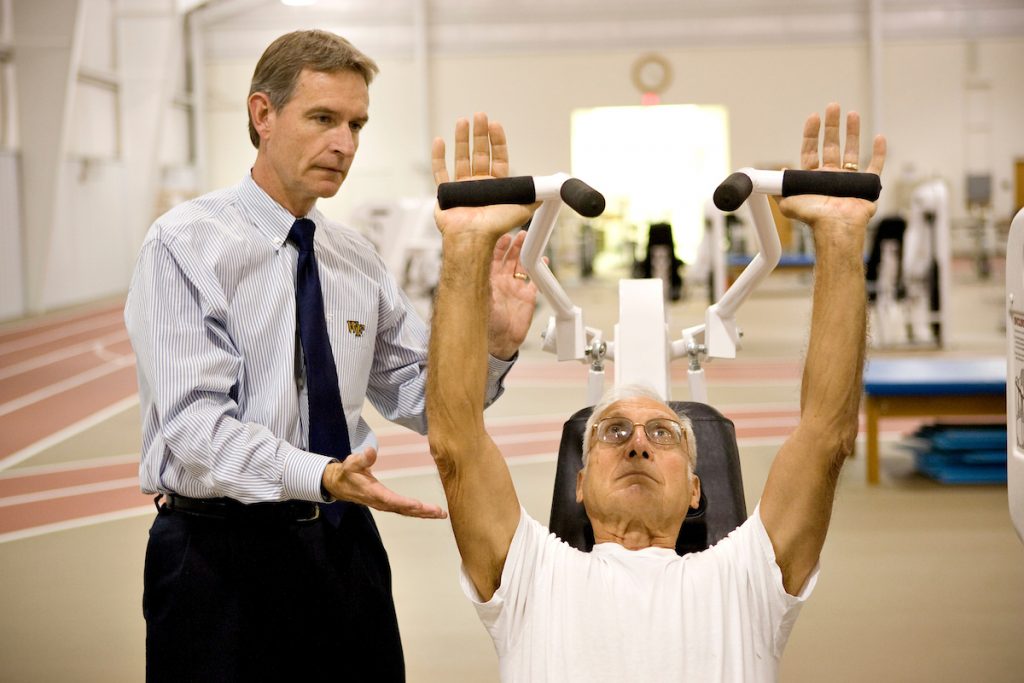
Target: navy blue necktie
[[328, 431]]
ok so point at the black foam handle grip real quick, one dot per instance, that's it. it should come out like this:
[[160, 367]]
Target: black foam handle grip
[[514, 190], [860, 185], [582, 197], [733, 191]]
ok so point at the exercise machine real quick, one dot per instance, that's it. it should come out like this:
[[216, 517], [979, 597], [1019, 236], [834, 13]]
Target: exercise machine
[[909, 271], [1015, 371], [404, 234], [640, 346]]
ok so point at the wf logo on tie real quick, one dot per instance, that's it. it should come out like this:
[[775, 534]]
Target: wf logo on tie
[[357, 328]]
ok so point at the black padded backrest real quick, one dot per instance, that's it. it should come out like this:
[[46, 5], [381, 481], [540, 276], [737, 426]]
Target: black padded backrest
[[722, 506]]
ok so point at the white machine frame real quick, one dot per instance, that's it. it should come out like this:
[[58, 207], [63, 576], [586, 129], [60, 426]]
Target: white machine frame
[[641, 347], [1015, 371]]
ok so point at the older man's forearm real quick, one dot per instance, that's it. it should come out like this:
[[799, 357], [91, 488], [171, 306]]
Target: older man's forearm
[[830, 393], [457, 362]]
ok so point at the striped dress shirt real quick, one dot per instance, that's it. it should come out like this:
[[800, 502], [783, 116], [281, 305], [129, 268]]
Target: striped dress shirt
[[211, 316]]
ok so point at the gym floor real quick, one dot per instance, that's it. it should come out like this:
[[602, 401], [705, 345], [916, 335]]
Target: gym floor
[[919, 582]]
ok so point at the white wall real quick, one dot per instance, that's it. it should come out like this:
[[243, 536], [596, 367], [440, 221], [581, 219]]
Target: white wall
[[92, 247], [95, 82], [11, 294], [768, 91]]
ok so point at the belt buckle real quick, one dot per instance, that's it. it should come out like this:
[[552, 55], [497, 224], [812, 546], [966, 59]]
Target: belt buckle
[[316, 515]]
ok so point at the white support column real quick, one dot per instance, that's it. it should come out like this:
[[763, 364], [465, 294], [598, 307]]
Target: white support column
[[197, 77], [47, 45], [421, 58], [149, 40], [876, 74]]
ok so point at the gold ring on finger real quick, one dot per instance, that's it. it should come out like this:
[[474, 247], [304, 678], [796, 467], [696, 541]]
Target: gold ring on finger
[[851, 166]]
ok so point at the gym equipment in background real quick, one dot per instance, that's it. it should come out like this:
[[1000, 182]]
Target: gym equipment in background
[[1015, 371]]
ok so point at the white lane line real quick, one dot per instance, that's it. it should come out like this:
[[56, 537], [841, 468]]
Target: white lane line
[[538, 382], [69, 431], [58, 318], [430, 470], [73, 466], [505, 440], [388, 429], [77, 523], [97, 346], [758, 423], [383, 474], [68, 491], [78, 380], [60, 333]]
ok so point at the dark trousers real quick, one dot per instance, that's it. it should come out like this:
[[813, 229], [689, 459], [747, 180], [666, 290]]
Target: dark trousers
[[232, 600]]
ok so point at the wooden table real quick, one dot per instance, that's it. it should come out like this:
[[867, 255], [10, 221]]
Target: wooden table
[[928, 387]]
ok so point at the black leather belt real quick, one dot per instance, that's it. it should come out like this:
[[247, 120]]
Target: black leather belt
[[289, 511]]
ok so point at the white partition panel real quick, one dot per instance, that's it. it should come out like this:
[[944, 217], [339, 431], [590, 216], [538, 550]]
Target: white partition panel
[[91, 249], [12, 295]]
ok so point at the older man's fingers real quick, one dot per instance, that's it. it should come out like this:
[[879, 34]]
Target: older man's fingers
[[851, 150], [462, 166], [878, 151], [830, 154], [481, 145], [809, 143], [437, 162], [499, 150]]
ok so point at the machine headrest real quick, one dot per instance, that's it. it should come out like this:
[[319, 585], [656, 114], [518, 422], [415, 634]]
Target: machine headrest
[[722, 505]]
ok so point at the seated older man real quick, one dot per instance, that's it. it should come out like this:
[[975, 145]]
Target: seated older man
[[632, 610]]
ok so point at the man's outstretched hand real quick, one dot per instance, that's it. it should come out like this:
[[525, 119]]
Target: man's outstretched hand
[[352, 480], [513, 299]]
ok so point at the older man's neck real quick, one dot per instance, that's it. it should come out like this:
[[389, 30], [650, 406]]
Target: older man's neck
[[634, 535]]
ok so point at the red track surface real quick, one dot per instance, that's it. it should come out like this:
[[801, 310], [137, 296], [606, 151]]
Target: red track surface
[[58, 371]]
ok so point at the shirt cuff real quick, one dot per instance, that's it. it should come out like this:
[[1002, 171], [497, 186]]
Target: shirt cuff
[[497, 368], [303, 475]]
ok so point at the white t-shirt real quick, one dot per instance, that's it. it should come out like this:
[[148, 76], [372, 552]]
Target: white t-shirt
[[647, 615]]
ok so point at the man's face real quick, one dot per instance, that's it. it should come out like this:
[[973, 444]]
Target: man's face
[[309, 143], [638, 479]]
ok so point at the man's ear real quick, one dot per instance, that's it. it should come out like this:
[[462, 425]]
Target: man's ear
[[260, 113], [579, 486], [695, 494]]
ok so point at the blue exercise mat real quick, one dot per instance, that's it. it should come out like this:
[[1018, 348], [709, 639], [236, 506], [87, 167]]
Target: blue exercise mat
[[969, 474], [964, 437], [961, 454]]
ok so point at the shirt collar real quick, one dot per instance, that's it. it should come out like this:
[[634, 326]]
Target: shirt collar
[[611, 548], [266, 215]]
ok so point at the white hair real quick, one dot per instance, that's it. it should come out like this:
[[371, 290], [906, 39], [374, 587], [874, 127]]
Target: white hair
[[631, 391]]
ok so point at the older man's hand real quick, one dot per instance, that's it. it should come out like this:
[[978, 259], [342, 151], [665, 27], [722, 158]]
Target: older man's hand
[[843, 213], [489, 160], [513, 296]]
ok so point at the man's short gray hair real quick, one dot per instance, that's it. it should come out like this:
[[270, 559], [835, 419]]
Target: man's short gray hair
[[636, 391], [277, 72]]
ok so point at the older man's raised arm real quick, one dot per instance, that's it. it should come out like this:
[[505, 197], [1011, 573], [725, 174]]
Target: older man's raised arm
[[797, 502], [482, 501]]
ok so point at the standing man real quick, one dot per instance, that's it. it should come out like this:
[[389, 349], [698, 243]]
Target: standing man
[[260, 327], [633, 610]]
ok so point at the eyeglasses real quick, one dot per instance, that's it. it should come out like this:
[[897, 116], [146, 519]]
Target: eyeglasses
[[660, 430]]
